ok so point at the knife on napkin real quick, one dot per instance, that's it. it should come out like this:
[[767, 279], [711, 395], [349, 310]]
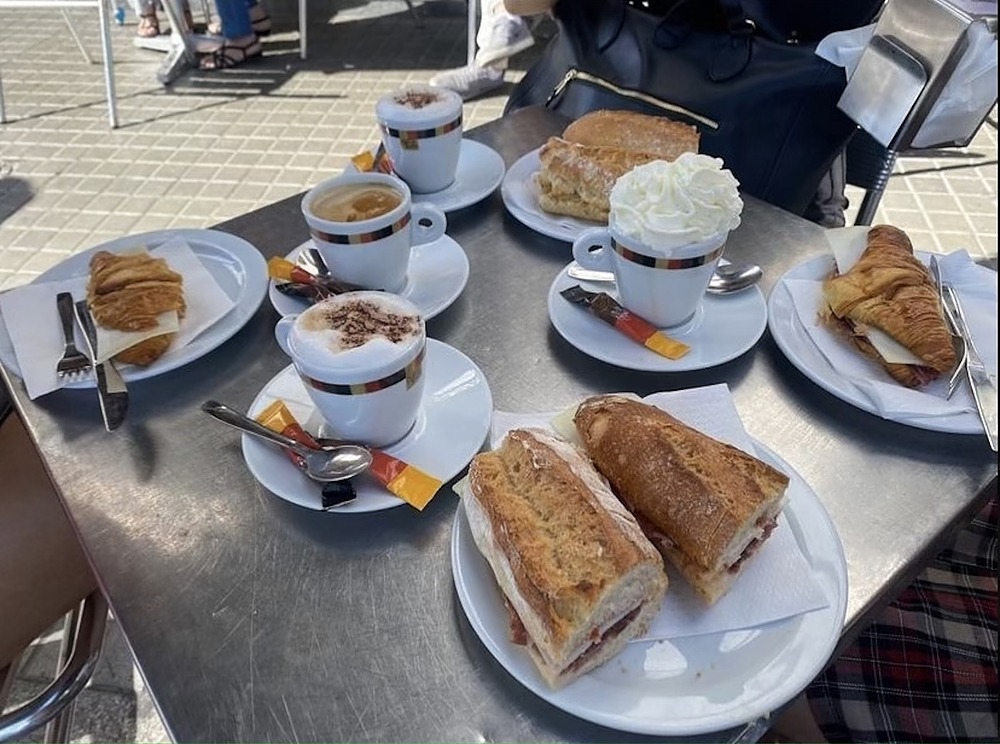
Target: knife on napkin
[[111, 389], [983, 388]]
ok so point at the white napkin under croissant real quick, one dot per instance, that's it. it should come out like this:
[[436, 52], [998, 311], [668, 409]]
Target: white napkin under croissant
[[977, 290], [32, 322]]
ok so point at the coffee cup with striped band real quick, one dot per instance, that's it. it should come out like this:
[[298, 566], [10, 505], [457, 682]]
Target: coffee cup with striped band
[[360, 356], [421, 128], [364, 224], [666, 291]]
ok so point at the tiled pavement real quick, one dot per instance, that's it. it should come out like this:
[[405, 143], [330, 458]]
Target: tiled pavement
[[216, 145]]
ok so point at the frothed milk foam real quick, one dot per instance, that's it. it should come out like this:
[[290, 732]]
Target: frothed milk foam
[[417, 104], [358, 329]]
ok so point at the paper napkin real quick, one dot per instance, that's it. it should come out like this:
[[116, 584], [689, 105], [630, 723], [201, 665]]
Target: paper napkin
[[977, 291], [32, 321], [778, 582]]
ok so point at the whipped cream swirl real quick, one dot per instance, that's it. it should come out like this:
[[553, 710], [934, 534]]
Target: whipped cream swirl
[[667, 205]]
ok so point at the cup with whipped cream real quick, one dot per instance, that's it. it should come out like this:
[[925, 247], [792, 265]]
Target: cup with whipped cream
[[667, 228]]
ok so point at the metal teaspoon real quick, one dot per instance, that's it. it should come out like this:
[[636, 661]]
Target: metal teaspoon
[[727, 278], [326, 464]]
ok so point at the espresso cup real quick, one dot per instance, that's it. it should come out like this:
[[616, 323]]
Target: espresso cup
[[364, 224], [360, 356], [664, 287], [421, 129]]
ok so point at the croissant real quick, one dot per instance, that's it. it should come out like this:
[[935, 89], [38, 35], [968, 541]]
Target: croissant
[[889, 289], [127, 292]]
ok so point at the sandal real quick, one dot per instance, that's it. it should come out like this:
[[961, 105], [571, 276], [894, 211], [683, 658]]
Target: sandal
[[231, 55], [149, 26]]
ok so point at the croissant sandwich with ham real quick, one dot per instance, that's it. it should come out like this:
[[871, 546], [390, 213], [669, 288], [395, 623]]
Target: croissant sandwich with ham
[[889, 289]]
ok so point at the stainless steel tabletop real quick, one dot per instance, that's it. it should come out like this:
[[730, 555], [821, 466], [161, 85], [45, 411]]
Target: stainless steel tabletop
[[252, 619]]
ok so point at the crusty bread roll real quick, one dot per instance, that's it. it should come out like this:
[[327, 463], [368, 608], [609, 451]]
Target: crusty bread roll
[[577, 179], [706, 505], [890, 289], [628, 130], [575, 570]]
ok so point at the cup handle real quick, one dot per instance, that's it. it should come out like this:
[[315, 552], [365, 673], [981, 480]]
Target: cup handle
[[429, 223], [281, 331], [597, 237]]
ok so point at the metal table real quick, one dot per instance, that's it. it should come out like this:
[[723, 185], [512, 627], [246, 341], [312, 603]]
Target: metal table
[[252, 619]]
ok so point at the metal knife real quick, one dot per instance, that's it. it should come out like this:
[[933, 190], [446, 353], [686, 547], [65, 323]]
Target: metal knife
[[111, 389], [983, 387]]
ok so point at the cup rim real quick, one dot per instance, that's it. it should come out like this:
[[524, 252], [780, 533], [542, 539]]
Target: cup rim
[[688, 250], [360, 226], [446, 116], [356, 374]]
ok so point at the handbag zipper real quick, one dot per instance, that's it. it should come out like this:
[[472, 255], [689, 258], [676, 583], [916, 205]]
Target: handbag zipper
[[575, 74]]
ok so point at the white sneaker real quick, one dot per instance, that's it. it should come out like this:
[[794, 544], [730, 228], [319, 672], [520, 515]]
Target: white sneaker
[[469, 81], [504, 37]]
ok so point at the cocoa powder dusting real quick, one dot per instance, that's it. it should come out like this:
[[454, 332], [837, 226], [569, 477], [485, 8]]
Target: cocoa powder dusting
[[361, 321], [416, 100]]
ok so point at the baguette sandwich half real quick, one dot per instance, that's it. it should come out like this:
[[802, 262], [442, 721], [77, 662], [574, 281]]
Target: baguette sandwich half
[[577, 575], [706, 505]]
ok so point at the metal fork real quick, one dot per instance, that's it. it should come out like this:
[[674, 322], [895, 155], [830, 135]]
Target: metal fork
[[74, 363]]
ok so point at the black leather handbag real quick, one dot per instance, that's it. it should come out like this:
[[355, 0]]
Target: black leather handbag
[[768, 108]]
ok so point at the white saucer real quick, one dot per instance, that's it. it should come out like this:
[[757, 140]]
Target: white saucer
[[437, 275], [480, 172], [520, 196], [691, 685], [723, 328], [452, 425]]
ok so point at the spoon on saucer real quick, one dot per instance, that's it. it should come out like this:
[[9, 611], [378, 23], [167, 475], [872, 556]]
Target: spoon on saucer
[[728, 278], [326, 464]]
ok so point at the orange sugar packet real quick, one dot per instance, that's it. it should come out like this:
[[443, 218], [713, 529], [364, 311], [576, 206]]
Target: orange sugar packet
[[406, 481], [285, 270], [278, 418], [364, 161], [605, 307]]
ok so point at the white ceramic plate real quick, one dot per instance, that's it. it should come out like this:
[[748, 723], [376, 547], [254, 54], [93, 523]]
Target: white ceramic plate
[[519, 194], [692, 685], [438, 272], [237, 266], [801, 350], [723, 328], [480, 171], [452, 425]]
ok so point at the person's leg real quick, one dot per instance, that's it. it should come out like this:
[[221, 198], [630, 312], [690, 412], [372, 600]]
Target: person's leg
[[260, 19], [149, 24], [501, 35], [240, 43]]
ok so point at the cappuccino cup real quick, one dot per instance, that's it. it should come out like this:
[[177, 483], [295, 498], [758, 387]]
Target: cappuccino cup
[[364, 224], [666, 290], [421, 128], [360, 356]]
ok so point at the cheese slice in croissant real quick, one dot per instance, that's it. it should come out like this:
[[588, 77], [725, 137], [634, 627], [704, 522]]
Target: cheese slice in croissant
[[889, 289]]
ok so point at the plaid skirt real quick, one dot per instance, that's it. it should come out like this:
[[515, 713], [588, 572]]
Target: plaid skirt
[[927, 668]]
